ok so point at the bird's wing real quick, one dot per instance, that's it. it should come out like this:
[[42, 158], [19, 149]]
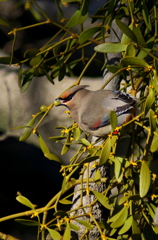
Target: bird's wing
[[118, 102]]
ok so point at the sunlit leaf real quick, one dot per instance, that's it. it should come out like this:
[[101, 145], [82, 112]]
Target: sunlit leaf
[[45, 150], [113, 120], [119, 218], [97, 176], [23, 200], [54, 234], [103, 200], [149, 101], [110, 47], [145, 179], [67, 233], [85, 224], [27, 130], [65, 201], [154, 145], [126, 226], [104, 156]]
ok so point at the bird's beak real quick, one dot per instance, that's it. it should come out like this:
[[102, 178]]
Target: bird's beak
[[57, 102]]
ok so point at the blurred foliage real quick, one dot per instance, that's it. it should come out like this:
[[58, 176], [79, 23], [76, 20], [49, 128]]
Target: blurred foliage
[[131, 211]]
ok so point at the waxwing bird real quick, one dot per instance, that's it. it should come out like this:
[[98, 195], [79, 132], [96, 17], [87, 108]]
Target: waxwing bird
[[91, 109]]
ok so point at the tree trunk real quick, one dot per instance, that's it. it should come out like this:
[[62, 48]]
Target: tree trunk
[[97, 211]]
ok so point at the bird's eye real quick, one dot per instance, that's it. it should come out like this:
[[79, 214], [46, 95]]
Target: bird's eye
[[68, 98]]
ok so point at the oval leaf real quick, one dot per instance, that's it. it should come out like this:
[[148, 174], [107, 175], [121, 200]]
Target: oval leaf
[[119, 219], [126, 226], [104, 156], [133, 61], [28, 130], [110, 47], [54, 234], [145, 179], [154, 145], [88, 33], [46, 151], [126, 30], [113, 120], [23, 200], [103, 200], [149, 101], [67, 233], [27, 80], [27, 222], [84, 223]]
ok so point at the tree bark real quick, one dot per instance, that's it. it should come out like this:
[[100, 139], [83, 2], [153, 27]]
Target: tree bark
[[98, 211]]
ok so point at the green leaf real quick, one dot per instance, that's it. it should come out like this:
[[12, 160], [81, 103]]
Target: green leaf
[[126, 226], [67, 233], [118, 169], [61, 214], [144, 182], [88, 33], [85, 142], [152, 120], [35, 61], [27, 222], [84, 223], [66, 146], [103, 200], [74, 227], [119, 218], [7, 60], [4, 23], [130, 51], [62, 72], [154, 144], [27, 130], [104, 156], [97, 176], [113, 120], [126, 30], [27, 80], [54, 234], [57, 138], [135, 229], [76, 133], [149, 101], [65, 201], [46, 151], [31, 52], [133, 61], [23, 200], [110, 47], [77, 18], [146, 16], [140, 39]]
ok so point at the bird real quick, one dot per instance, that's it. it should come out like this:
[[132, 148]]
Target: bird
[[91, 109]]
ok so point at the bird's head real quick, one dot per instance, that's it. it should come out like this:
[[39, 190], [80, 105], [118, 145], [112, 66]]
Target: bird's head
[[66, 99]]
